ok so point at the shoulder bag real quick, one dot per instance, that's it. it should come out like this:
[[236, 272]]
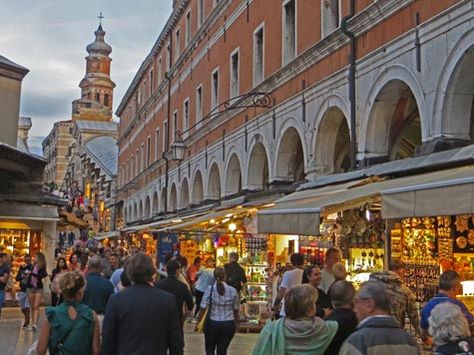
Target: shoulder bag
[[201, 327], [64, 337]]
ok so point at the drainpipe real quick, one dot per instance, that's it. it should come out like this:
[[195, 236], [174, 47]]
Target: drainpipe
[[167, 143], [352, 82]]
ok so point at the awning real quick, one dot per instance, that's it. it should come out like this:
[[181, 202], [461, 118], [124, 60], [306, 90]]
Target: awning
[[154, 226], [443, 192], [218, 214], [111, 234], [299, 212]]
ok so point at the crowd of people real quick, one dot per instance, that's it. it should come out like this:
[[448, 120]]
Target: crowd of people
[[110, 301]]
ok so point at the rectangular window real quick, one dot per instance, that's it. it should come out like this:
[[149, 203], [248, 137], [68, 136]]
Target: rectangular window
[[177, 45], [166, 138], [185, 117], [157, 144], [148, 152], [258, 55], [234, 74], [168, 56], [132, 167], [137, 162], [199, 103], [175, 124], [142, 157], [289, 31], [215, 88], [187, 37], [200, 12], [330, 16], [152, 79], [160, 70], [145, 90]]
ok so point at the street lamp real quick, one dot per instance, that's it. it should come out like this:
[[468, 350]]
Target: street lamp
[[178, 148]]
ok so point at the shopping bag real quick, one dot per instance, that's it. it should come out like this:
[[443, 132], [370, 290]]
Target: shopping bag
[[201, 326]]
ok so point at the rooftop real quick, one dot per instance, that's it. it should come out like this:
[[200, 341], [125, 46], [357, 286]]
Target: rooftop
[[96, 125], [104, 152]]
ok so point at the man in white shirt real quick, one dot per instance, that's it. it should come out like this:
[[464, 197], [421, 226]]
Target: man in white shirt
[[290, 279], [333, 256]]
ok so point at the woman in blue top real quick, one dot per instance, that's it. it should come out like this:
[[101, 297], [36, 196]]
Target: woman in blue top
[[71, 328]]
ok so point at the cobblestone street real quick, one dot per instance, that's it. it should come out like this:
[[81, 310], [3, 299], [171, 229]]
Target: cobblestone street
[[15, 341]]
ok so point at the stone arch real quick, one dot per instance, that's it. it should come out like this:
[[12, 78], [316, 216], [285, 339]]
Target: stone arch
[[135, 212], [140, 211], [147, 208], [198, 190], [156, 203], [454, 102], [173, 199], [214, 183], [184, 195], [163, 200], [332, 153], [233, 176], [257, 168], [125, 214], [395, 101], [289, 160]]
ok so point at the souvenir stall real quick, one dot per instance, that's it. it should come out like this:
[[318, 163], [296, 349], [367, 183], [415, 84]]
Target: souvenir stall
[[432, 245], [17, 243], [214, 236], [359, 233]]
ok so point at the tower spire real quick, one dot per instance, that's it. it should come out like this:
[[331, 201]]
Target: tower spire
[[100, 17]]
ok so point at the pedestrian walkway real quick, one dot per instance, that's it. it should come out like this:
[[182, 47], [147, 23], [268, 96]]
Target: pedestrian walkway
[[16, 341]]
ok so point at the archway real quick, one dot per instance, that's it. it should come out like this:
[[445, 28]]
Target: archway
[[163, 201], [135, 212], [458, 108], [290, 158], [257, 178], [394, 127], [155, 203], [172, 206], [140, 215], [147, 208], [333, 143], [198, 193], [214, 183], [125, 215], [233, 176], [184, 197]]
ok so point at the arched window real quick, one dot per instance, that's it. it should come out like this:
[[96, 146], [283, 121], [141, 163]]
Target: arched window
[[97, 97], [106, 100]]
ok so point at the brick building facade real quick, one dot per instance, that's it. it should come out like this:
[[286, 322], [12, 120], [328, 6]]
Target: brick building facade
[[351, 84]]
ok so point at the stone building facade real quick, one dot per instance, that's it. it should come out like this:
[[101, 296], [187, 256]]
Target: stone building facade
[[351, 84]]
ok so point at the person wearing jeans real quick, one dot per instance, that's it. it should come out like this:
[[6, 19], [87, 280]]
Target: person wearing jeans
[[223, 302]]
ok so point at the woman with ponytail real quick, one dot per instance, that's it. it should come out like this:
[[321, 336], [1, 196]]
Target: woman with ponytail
[[223, 303], [72, 327]]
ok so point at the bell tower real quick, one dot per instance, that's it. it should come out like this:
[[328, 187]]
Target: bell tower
[[97, 88]]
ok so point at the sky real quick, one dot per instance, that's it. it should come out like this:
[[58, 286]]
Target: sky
[[49, 37]]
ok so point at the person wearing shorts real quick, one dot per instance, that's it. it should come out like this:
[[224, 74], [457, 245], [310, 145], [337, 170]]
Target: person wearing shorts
[[23, 278]]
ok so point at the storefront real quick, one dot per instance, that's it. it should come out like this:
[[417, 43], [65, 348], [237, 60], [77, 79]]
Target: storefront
[[431, 226], [21, 237], [216, 234], [426, 220]]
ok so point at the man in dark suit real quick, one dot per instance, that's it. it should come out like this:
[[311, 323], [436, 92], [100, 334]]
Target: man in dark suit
[[98, 288], [141, 319], [177, 288], [342, 297]]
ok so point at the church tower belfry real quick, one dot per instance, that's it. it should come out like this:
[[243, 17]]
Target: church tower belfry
[[97, 88]]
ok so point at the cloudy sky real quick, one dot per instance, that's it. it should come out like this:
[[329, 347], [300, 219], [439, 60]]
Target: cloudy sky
[[49, 37]]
